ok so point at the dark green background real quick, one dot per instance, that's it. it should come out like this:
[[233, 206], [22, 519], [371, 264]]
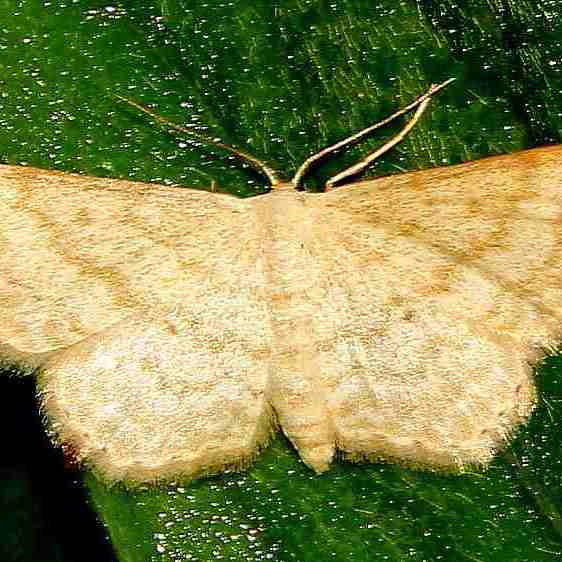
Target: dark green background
[[280, 79]]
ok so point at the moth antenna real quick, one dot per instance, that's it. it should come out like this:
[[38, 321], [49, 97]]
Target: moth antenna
[[356, 137], [372, 156], [254, 162]]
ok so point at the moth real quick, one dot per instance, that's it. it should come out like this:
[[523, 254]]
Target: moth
[[175, 331]]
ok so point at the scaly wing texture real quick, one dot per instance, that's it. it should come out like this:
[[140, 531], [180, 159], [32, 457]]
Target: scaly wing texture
[[440, 289], [156, 397], [398, 318], [79, 253], [156, 294]]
